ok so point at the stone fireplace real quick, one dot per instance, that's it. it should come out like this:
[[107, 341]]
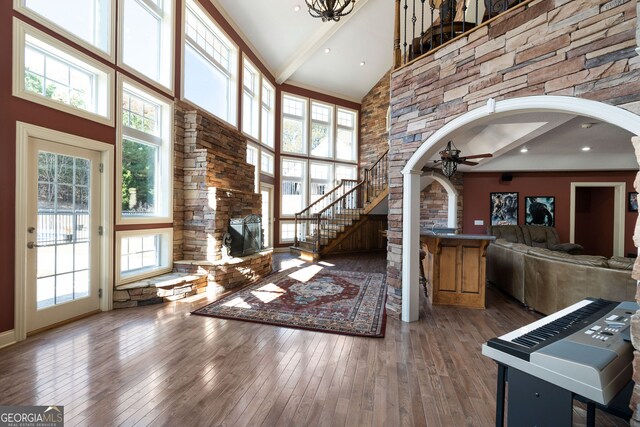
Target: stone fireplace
[[217, 188]]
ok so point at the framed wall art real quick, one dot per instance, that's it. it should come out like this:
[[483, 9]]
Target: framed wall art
[[540, 210], [503, 208]]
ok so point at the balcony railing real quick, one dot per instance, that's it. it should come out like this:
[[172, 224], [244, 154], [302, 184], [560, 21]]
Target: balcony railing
[[62, 227], [423, 25]]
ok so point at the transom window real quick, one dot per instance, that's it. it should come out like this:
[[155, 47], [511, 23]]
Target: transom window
[[266, 163], [50, 73], [143, 253], [294, 133], [146, 37], [210, 65], [267, 134], [89, 24], [251, 100]]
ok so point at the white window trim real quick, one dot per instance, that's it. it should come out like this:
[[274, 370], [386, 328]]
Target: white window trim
[[257, 96], [280, 239], [333, 129], [305, 183], [273, 160], [235, 59], [257, 166], [305, 127], [105, 88], [166, 254], [167, 50], [109, 54], [356, 135], [272, 110], [167, 178]]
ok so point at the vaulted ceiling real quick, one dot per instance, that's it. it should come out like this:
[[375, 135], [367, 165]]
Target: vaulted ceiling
[[292, 44]]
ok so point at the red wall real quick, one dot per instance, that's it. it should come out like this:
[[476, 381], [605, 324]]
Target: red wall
[[477, 187], [14, 109]]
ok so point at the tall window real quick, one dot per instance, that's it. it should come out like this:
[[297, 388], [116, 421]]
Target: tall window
[[89, 24], [253, 155], [210, 66], [321, 180], [345, 172], [250, 99], [146, 38], [145, 152], [346, 146], [293, 195], [267, 134], [294, 124], [266, 163], [321, 129], [55, 75]]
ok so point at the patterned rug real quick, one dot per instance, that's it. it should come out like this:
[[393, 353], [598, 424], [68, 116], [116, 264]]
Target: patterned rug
[[314, 298]]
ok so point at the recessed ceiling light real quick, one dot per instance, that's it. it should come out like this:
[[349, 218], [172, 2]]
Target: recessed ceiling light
[[586, 148], [327, 50], [296, 8], [524, 150], [586, 125], [362, 64]]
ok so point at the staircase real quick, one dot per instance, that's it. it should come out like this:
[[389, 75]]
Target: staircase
[[325, 223]]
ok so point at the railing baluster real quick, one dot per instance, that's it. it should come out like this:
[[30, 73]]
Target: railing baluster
[[405, 30]]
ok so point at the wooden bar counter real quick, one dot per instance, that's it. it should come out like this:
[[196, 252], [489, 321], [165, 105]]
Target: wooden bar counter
[[454, 267]]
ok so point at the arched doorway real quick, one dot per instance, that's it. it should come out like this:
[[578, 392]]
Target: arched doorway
[[413, 170], [452, 195]]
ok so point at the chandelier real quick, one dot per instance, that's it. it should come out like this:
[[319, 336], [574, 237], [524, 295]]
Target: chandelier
[[330, 10], [449, 157]]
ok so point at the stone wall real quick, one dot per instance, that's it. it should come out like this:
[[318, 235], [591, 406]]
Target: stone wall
[[434, 203], [374, 137], [580, 48], [217, 183]]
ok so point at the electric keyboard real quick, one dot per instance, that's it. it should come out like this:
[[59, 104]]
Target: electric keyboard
[[580, 348]]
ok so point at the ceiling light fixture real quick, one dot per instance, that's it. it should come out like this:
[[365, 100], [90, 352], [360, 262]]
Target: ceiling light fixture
[[330, 10], [327, 50], [297, 8], [586, 148], [362, 64], [586, 125], [524, 150]]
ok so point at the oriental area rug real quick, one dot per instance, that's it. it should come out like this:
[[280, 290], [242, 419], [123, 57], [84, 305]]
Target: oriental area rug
[[342, 302]]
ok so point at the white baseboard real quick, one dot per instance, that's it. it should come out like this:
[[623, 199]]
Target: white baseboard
[[7, 338]]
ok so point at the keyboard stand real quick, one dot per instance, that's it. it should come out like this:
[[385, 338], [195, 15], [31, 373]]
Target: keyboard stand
[[533, 401]]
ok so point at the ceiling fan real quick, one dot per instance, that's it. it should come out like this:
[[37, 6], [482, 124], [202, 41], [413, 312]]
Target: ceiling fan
[[450, 158]]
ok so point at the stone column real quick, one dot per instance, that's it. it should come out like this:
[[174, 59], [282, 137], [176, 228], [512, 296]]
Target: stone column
[[635, 319]]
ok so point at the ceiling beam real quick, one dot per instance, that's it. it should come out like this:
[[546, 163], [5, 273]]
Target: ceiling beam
[[315, 42]]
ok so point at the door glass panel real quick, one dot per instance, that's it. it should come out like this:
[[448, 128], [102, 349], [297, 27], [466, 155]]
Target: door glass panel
[[63, 229]]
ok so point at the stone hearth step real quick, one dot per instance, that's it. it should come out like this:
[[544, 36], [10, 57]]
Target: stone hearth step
[[159, 289]]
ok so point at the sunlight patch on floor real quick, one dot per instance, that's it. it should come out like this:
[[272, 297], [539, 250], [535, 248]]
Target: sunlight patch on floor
[[237, 302], [326, 264], [291, 263], [306, 274], [268, 292]]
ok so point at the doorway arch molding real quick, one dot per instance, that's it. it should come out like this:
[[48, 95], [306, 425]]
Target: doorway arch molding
[[413, 169]]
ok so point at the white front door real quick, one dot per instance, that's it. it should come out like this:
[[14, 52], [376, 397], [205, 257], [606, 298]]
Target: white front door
[[267, 214], [63, 218]]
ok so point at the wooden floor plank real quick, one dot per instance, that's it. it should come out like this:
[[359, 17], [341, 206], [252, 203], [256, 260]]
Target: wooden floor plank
[[159, 365]]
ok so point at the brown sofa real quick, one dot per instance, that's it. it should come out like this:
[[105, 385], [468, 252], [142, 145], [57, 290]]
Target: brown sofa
[[548, 281], [538, 236]]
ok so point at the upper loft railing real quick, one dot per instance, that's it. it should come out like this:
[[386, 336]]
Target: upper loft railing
[[423, 25]]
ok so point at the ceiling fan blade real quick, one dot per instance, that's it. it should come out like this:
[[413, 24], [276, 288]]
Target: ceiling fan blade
[[446, 155], [465, 162], [478, 156]]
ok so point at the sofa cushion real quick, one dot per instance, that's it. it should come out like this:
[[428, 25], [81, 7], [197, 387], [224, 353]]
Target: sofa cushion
[[570, 248], [590, 260], [510, 233], [539, 236], [621, 263]]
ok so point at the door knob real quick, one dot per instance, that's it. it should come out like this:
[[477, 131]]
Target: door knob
[[30, 230], [31, 245]]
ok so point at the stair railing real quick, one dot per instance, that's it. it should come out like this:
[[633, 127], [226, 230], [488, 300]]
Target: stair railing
[[305, 218], [340, 207]]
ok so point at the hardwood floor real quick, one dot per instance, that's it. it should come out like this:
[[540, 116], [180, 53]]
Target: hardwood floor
[[158, 365]]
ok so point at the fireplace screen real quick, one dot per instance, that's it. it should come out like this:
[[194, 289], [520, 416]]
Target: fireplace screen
[[246, 235]]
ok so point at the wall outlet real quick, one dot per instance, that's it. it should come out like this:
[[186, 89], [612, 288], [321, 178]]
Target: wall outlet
[[478, 222]]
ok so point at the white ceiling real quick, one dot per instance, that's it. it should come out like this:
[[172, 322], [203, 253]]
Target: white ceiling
[[291, 44], [554, 141]]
